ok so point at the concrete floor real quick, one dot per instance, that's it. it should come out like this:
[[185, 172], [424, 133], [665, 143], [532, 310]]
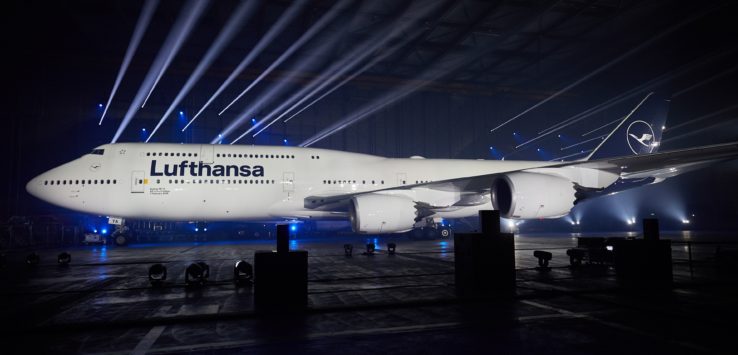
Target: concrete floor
[[403, 303]]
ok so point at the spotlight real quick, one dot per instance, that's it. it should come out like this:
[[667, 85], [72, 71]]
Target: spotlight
[[243, 273], [348, 249], [143, 129], [285, 141], [391, 247], [293, 228], [576, 255], [253, 120], [64, 259], [543, 258], [205, 229], [99, 105], [157, 274], [370, 248], [33, 259], [104, 231], [197, 274], [685, 221], [181, 113], [197, 229]]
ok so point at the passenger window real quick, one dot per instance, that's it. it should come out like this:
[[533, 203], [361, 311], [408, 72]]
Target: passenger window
[[148, 154], [114, 182], [46, 182]]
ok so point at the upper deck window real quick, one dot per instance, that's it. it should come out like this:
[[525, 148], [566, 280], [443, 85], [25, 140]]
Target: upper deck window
[[98, 151]]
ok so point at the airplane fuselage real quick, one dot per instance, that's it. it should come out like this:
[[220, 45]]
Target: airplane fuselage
[[230, 182]]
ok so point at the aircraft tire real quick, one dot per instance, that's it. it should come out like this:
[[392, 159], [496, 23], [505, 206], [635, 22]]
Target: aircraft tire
[[121, 240]]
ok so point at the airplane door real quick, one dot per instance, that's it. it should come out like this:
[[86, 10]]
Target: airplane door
[[207, 154], [401, 179], [288, 182], [137, 182]]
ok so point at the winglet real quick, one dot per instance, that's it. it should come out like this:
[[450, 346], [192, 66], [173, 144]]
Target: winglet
[[638, 133]]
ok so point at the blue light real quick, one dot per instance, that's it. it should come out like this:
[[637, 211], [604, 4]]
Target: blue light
[[104, 231], [253, 120], [181, 113], [539, 149], [95, 230], [197, 229], [100, 105], [204, 229], [293, 227], [285, 141]]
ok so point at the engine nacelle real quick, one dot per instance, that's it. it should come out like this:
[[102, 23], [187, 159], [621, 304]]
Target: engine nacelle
[[532, 195], [373, 213]]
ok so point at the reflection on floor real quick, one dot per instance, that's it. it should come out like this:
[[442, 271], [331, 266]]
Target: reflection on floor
[[402, 303]]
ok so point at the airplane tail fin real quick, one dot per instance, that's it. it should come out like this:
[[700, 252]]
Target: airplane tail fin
[[638, 133]]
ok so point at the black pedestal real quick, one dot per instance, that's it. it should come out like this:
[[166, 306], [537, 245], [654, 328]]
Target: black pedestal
[[280, 280], [643, 263], [485, 262]]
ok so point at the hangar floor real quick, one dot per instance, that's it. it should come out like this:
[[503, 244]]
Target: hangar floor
[[402, 303]]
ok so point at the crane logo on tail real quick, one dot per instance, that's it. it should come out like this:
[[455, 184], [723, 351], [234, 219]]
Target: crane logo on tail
[[641, 138]]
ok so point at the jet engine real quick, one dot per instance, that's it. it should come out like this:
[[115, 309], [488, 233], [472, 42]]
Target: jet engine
[[532, 195], [373, 213]]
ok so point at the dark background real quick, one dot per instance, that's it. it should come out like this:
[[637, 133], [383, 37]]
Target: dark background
[[61, 59]]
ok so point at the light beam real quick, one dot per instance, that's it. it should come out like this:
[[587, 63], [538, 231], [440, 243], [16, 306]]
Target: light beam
[[337, 69], [190, 12], [329, 16], [242, 13], [143, 22], [611, 63]]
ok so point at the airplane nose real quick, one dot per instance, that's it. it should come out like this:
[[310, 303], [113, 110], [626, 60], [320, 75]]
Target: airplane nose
[[34, 186]]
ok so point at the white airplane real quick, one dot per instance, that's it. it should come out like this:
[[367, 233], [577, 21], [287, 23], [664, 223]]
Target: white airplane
[[202, 182]]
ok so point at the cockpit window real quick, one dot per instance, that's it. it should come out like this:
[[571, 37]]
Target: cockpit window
[[98, 151]]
